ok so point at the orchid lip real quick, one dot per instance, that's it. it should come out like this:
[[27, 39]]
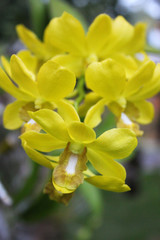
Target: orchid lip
[[31, 121], [72, 162], [125, 119]]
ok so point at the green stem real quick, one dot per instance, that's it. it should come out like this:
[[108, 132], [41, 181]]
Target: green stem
[[152, 50], [81, 92]]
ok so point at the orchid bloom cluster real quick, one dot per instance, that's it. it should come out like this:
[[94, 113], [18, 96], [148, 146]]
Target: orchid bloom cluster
[[55, 112]]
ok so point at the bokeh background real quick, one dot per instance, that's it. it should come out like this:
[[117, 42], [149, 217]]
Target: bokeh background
[[27, 214]]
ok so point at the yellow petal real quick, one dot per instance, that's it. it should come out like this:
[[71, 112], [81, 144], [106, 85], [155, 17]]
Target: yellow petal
[[137, 42], [54, 81], [93, 116], [6, 65], [30, 61], [66, 33], [22, 76], [11, 116], [36, 156], [128, 63], [106, 165], [117, 143], [122, 33], [141, 77], [98, 33], [51, 122], [146, 111], [108, 183], [34, 44], [150, 88], [123, 30], [42, 142], [30, 40], [106, 78], [71, 62], [8, 86], [67, 111], [79, 132]]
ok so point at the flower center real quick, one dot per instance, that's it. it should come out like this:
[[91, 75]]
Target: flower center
[[122, 102], [23, 112], [125, 119], [38, 103], [31, 125], [69, 172], [125, 122], [91, 58], [72, 162], [34, 106]]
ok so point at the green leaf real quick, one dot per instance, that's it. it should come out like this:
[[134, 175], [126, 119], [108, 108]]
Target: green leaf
[[93, 197], [40, 208], [95, 202], [28, 185], [38, 15]]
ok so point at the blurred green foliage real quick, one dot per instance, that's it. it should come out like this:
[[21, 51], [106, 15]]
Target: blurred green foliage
[[12, 13], [38, 13], [28, 185], [130, 216]]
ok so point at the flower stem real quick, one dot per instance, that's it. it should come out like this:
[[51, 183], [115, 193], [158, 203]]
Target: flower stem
[[150, 49], [81, 92]]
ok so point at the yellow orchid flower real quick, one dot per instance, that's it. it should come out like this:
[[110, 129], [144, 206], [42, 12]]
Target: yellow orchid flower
[[65, 40], [80, 145], [125, 97], [46, 89]]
